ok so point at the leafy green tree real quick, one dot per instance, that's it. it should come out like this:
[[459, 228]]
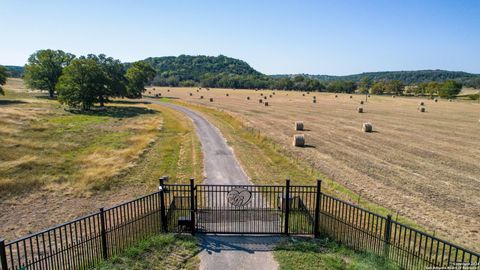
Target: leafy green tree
[[115, 84], [394, 87], [44, 67], [81, 83], [378, 88], [432, 88], [3, 79], [365, 84], [342, 86], [139, 74], [449, 89]]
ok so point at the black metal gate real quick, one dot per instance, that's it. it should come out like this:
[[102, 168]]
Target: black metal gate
[[240, 209]]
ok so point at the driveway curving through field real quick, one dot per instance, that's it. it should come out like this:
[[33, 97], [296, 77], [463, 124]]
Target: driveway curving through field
[[221, 167]]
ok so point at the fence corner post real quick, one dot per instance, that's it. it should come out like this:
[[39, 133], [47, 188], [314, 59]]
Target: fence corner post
[[3, 255], [163, 216], [387, 235], [103, 233], [287, 205], [316, 231], [192, 205]]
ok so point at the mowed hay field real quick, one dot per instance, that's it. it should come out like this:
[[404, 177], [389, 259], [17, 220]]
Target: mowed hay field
[[424, 166], [57, 164]]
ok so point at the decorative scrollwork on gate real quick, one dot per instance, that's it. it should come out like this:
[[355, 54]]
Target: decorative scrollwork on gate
[[239, 197]]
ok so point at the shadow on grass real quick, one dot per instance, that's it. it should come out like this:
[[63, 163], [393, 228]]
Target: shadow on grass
[[128, 101], [11, 101], [309, 146], [116, 112]]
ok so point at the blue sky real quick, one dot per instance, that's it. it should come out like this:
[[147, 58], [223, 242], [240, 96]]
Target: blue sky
[[316, 37]]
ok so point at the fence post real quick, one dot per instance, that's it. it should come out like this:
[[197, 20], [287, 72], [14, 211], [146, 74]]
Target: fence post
[[287, 205], [3, 255], [192, 205], [103, 233], [316, 231], [388, 232], [163, 216]]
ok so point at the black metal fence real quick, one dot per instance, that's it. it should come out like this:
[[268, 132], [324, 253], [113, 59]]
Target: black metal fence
[[249, 209], [83, 242]]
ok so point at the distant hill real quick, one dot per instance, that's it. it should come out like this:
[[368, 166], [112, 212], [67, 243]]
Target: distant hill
[[14, 71], [172, 70], [223, 71], [407, 77]]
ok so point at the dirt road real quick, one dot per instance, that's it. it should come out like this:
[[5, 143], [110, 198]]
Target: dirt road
[[221, 167]]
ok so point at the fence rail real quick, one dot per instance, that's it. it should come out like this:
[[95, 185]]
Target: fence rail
[[281, 209]]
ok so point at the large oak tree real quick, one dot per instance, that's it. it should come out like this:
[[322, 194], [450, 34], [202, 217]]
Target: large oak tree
[[44, 67]]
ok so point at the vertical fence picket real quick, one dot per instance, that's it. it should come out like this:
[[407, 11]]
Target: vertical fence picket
[[317, 208], [103, 233]]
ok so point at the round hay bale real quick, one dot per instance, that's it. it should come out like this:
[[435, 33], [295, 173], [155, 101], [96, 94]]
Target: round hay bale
[[450, 100], [226, 94], [314, 97], [168, 90], [154, 88], [298, 125], [273, 93], [270, 96], [149, 92], [361, 102], [197, 90], [191, 94], [336, 96], [303, 95], [260, 101], [393, 96], [211, 99], [201, 97], [308, 93], [266, 104], [367, 127], [314, 101], [159, 95], [248, 98], [261, 94], [422, 109], [265, 97], [351, 96], [436, 100], [299, 140], [368, 95], [360, 109], [422, 103]]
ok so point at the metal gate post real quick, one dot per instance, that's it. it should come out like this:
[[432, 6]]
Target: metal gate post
[[387, 235], [316, 231], [287, 205], [103, 233], [192, 205], [3, 255], [163, 216]]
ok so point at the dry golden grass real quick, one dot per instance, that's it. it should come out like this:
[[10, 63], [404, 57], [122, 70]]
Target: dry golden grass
[[56, 165], [423, 166]]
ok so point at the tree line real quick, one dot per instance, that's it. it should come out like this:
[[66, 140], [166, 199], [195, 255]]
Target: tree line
[[216, 72], [81, 82]]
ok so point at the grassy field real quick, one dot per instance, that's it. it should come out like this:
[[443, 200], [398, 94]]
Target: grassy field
[[422, 166], [298, 253], [158, 252], [58, 164]]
